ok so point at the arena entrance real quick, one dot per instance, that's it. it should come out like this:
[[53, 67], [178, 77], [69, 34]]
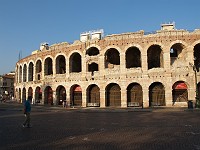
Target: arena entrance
[[23, 94], [179, 92], [113, 94], [93, 96], [38, 95], [61, 94], [30, 92], [48, 95], [134, 95], [76, 99], [156, 94]]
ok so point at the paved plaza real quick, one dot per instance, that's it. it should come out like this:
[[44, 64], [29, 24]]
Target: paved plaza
[[99, 129]]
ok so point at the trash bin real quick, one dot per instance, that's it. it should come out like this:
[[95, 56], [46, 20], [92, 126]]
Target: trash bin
[[190, 104]]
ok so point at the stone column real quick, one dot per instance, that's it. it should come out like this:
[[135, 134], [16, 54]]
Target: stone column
[[54, 67], [102, 98], [84, 98], [55, 101], [123, 97], [145, 97]]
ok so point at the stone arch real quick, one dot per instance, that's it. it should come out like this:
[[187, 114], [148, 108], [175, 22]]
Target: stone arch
[[76, 95], [113, 95], [38, 94], [112, 58], [179, 92], [61, 94], [93, 67], [38, 69], [75, 62], [178, 54], [196, 55], [20, 74], [134, 94], [48, 95], [20, 95], [30, 71], [24, 94], [157, 94], [24, 73], [155, 57], [92, 51], [60, 64], [133, 57], [93, 95], [30, 92], [48, 66]]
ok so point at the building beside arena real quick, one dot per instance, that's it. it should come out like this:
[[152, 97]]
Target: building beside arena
[[136, 69]]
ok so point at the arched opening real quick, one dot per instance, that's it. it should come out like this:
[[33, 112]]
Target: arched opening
[[30, 92], [93, 95], [154, 57], [156, 94], [30, 72], [38, 95], [61, 94], [92, 51], [24, 95], [93, 67], [133, 57], [60, 65], [38, 70], [20, 74], [76, 96], [48, 66], [48, 95], [25, 73], [177, 56], [179, 92], [197, 57], [75, 63], [113, 95], [112, 58], [134, 95], [20, 95]]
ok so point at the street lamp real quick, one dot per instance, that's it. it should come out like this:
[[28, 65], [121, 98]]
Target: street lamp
[[196, 83]]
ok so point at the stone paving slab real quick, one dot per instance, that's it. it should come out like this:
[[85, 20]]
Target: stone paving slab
[[80, 129]]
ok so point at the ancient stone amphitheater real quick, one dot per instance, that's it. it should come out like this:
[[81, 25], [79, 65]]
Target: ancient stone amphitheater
[[136, 69]]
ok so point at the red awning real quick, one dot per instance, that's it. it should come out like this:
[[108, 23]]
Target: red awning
[[180, 86]]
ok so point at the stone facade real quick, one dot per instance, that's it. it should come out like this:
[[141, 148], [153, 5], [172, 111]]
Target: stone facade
[[120, 70]]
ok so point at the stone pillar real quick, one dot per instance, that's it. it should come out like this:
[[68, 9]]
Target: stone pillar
[[145, 97], [123, 97], [83, 66], [122, 66], [166, 59], [42, 72], [68, 95], [84, 98], [55, 101], [101, 66], [168, 95], [54, 67], [144, 62], [102, 98]]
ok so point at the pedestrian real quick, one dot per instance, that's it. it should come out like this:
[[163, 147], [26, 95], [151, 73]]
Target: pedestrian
[[27, 112]]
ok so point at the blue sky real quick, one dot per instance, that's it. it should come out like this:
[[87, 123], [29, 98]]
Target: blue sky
[[24, 24]]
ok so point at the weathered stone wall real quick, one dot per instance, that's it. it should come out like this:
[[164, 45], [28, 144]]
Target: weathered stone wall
[[120, 75]]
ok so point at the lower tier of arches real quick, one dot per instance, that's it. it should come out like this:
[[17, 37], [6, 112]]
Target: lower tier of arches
[[113, 95]]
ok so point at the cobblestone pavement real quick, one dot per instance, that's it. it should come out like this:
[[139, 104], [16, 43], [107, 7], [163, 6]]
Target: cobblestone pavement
[[92, 129]]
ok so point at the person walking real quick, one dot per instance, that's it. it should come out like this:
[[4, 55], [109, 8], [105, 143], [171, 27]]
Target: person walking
[[27, 112]]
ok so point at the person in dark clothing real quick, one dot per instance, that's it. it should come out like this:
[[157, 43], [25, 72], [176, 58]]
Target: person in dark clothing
[[27, 112]]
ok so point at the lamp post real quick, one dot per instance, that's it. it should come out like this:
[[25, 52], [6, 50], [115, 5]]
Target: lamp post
[[197, 92], [196, 85]]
